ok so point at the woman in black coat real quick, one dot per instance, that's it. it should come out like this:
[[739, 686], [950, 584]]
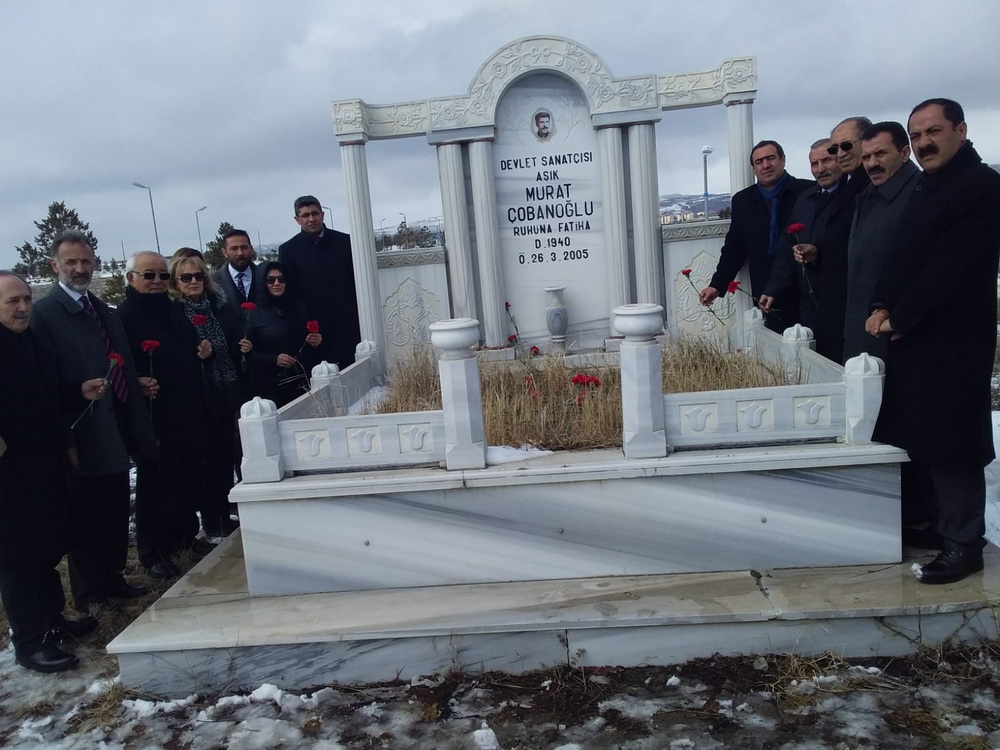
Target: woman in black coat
[[220, 351], [284, 340]]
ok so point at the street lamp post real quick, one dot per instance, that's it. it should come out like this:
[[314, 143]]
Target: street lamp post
[[705, 151], [406, 234], [156, 234], [198, 222]]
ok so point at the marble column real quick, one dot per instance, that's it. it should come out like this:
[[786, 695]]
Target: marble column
[[456, 224], [645, 213], [359, 211], [739, 116], [258, 425], [484, 198], [615, 216], [644, 432], [864, 377], [461, 394]]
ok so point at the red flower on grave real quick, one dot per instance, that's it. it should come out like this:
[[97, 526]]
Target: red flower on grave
[[534, 351], [512, 338], [686, 272], [248, 306], [199, 320], [312, 326], [528, 380], [506, 305], [149, 346]]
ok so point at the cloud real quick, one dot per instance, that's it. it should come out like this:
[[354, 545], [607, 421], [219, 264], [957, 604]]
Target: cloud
[[228, 105]]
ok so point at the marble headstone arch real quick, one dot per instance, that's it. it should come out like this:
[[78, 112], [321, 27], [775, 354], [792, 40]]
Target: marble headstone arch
[[547, 169]]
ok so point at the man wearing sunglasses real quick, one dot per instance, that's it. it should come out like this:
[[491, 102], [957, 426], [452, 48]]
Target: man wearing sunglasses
[[323, 272], [166, 491], [935, 300]]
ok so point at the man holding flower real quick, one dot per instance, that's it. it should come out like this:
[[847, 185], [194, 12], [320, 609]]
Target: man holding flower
[[84, 333], [760, 215]]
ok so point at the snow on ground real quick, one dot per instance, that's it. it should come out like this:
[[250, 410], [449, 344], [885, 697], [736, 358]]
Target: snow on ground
[[947, 699]]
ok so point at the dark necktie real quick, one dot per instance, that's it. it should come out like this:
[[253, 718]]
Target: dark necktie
[[240, 285], [116, 375]]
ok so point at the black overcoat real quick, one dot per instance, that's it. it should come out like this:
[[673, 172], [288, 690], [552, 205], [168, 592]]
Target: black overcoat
[[323, 272], [748, 241], [939, 286]]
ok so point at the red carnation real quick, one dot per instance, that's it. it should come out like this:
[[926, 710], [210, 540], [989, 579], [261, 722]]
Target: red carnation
[[734, 286], [686, 272], [512, 338], [796, 228], [149, 345], [248, 306], [312, 326], [534, 351], [115, 360], [199, 319]]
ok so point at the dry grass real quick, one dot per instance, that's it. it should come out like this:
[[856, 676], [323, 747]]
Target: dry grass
[[535, 401]]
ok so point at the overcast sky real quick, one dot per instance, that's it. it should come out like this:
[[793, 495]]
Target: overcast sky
[[227, 104]]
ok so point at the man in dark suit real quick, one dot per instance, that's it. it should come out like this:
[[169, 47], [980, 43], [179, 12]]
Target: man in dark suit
[[85, 335], [35, 511], [320, 260], [238, 278], [760, 216], [790, 271], [935, 300]]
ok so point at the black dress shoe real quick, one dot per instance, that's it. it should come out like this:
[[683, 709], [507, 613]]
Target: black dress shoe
[[951, 565], [162, 570], [926, 538], [125, 590], [48, 658], [64, 629]]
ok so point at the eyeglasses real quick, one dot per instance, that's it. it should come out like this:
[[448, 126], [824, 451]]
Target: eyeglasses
[[310, 215], [271, 280], [150, 275], [187, 278], [845, 145]]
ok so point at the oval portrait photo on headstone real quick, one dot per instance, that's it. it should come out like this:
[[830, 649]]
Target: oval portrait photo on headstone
[[543, 125]]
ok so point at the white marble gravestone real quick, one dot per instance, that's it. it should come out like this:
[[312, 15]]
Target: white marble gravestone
[[549, 209], [548, 178]]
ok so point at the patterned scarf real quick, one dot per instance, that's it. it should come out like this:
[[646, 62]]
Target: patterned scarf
[[771, 196], [220, 372]]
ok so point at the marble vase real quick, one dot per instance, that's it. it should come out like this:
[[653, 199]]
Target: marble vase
[[556, 317]]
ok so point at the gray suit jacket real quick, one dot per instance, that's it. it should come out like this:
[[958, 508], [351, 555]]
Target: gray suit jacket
[[224, 280], [103, 438]]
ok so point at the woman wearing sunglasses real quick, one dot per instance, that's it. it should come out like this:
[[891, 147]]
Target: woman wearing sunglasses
[[284, 349], [220, 351]]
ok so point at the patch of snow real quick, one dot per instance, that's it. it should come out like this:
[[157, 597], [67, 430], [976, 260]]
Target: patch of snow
[[674, 681], [504, 454]]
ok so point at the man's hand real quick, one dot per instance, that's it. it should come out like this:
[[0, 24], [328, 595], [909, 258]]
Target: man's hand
[[314, 339], [93, 389], [765, 302], [286, 360], [873, 326], [708, 295], [804, 253], [245, 345], [150, 386], [204, 350]]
